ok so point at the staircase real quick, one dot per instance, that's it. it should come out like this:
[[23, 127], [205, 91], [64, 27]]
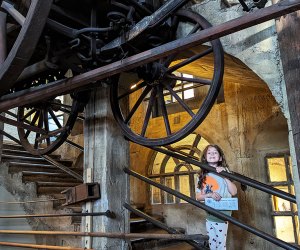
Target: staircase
[[49, 179]]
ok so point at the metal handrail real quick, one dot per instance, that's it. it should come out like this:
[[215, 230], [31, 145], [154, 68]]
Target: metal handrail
[[214, 212], [232, 175]]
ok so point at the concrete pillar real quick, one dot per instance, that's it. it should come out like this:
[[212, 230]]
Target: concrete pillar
[[288, 38], [106, 153]]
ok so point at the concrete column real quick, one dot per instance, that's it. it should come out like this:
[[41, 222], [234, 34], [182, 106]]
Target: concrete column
[[106, 153], [288, 38]]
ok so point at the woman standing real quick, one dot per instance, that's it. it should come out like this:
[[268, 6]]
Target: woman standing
[[216, 187]]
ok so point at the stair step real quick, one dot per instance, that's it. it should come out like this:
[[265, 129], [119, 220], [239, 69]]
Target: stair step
[[56, 184], [48, 177], [13, 146], [18, 152], [50, 169], [74, 208], [142, 243], [30, 164], [30, 158], [15, 149], [50, 190]]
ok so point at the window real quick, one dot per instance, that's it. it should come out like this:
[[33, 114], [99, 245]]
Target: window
[[184, 89], [174, 173], [284, 212]]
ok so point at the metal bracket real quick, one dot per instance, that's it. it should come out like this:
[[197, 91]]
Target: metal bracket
[[83, 192]]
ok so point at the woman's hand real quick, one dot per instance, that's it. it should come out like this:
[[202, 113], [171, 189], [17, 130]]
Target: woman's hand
[[220, 169], [216, 196]]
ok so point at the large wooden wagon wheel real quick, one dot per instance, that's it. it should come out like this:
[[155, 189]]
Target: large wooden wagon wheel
[[55, 121], [21, 22], [157, 87]]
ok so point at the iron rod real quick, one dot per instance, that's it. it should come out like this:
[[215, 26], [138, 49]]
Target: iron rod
[[106, 234], [54, 215], [75, 145], [234, 176], [68, 85], [214, 212], [62, 167], [165, 227]]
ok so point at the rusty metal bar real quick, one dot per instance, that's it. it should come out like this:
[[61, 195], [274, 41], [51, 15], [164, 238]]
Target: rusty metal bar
[[62, 167], [214, 212], [233, 175], [34, 246], [68, 85], [108, 214], [170, 230], [108, 235]]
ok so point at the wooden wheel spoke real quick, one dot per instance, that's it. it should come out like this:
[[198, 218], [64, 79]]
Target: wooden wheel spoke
[[192, 80], [189, 60], [60, 105], [20, 19], [46, 123], [163, 107], [53, 116], [40, 125], [138, 103], [141, 85], [28, 114], [149, 111], [194, 29], [65, 110], [180, 101], [34, 119]]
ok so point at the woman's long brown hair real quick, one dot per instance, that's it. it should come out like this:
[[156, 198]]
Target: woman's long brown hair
[[202, 173]]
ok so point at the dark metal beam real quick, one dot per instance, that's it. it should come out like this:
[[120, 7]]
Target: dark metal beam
[[68, 85]]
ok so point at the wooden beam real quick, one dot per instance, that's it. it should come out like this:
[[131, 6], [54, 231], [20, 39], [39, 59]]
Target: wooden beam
[[68, 85], [34, 246]]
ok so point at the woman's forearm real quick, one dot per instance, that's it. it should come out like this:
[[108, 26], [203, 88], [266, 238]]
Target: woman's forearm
[[231, 187]]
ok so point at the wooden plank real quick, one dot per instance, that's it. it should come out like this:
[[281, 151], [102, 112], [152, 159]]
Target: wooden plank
[[66, 86]]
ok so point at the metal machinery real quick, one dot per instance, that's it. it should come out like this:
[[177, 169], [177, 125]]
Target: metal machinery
[[43, 40]]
